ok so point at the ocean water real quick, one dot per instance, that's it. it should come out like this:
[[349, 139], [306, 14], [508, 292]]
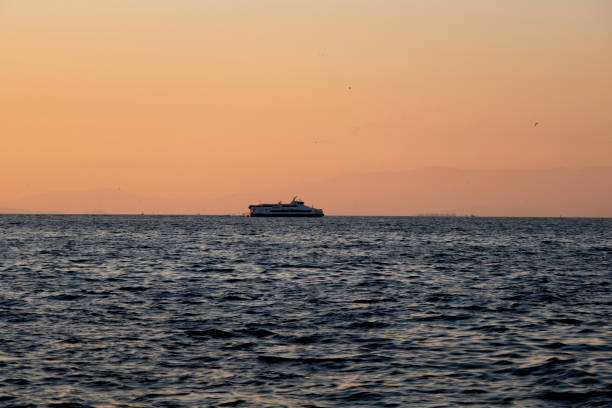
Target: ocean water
[[140, 311]]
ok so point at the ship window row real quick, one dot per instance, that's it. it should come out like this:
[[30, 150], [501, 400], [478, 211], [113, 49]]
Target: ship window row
[[275, 205], [290, 210]]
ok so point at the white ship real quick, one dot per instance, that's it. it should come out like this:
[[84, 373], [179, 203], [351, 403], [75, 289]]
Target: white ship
[[295, 208]]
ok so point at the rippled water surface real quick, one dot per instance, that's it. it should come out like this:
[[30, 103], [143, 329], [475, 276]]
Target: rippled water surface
[[339, 311]]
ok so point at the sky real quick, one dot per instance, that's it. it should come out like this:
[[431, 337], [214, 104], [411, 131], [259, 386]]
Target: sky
[[196, 99]]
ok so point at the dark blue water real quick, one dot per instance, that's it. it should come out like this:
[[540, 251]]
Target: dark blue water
[[340, 311]]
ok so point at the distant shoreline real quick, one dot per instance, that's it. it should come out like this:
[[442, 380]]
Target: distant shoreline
[[450, 216]]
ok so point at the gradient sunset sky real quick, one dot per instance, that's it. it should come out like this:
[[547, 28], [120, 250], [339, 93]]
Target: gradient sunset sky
[[199, 99]]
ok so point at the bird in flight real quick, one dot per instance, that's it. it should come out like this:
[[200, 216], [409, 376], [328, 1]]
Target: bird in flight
[[536, 124]]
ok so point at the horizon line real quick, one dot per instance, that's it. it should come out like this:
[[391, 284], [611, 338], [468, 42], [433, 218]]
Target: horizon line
[[326, 215]]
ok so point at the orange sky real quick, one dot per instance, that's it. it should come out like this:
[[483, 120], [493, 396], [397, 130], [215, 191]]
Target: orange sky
[[198, 99]]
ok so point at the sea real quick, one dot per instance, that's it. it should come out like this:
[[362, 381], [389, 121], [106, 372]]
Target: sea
[[197, 311]]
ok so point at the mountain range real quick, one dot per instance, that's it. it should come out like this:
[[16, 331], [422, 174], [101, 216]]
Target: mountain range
[[585, 192]]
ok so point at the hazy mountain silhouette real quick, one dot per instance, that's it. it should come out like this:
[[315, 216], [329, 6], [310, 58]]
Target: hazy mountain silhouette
[[583, 192], [553, 192], [105, 201]]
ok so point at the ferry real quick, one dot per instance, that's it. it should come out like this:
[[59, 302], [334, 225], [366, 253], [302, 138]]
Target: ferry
[[295, 208]]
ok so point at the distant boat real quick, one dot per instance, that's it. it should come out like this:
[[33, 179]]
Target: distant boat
[[295, 208]]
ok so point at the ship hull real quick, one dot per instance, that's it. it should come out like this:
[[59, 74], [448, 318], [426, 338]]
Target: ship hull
[[286, 215]]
